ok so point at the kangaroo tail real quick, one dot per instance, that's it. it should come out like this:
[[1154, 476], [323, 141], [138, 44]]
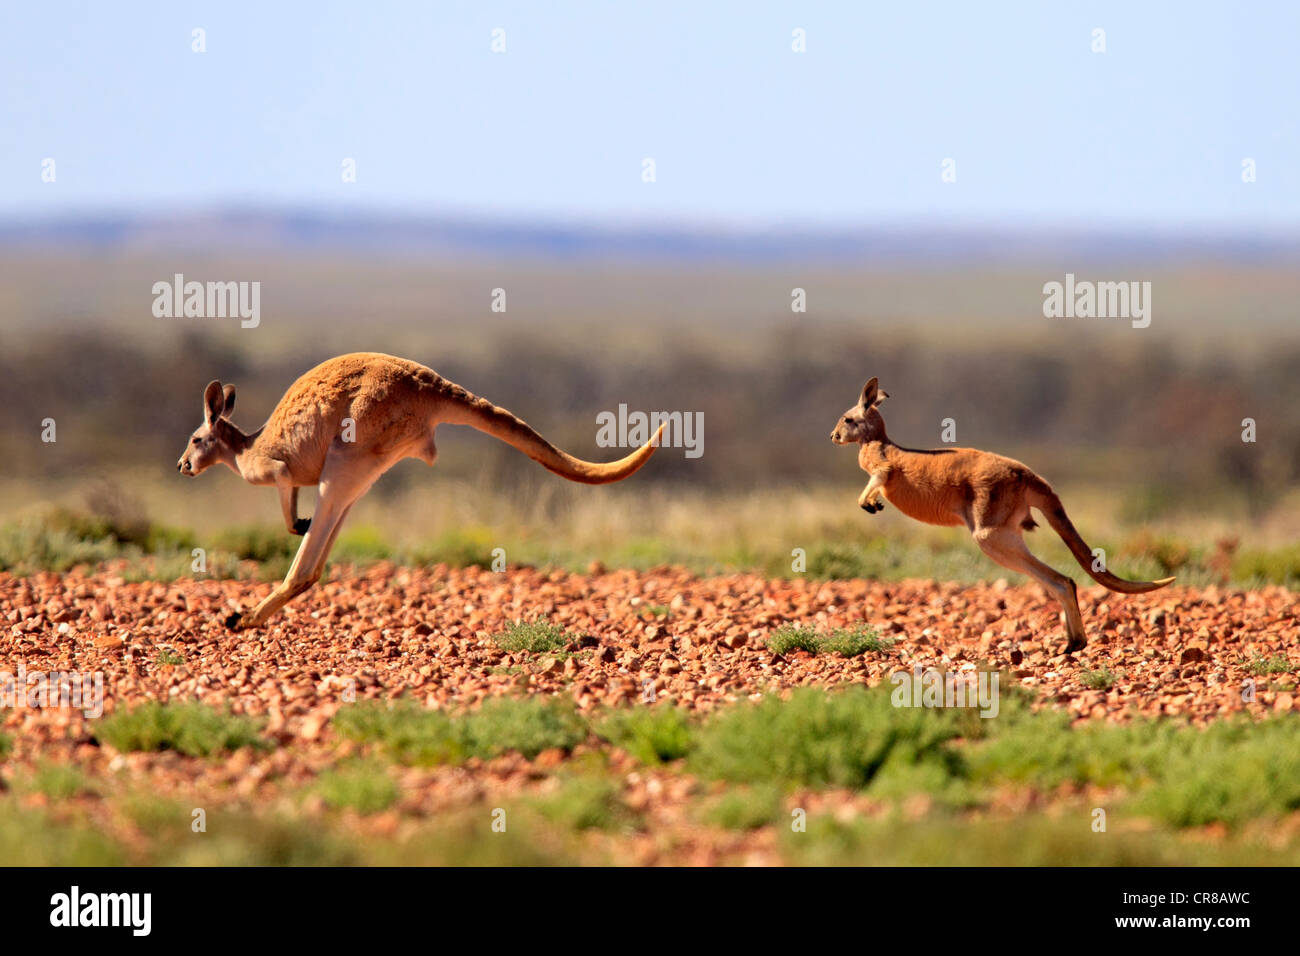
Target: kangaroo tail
[[468, 409], [1045, 500]]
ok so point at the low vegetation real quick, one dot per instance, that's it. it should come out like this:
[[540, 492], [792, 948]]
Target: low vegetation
[[534, 637], [772, 763], [363, 787], [713, 538], [846, 643], [413, 735], [1101, 679], [193, 729], [650, 734]]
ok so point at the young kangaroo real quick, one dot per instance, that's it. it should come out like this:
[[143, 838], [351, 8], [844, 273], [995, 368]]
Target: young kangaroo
[[989, 494], [341, 426]]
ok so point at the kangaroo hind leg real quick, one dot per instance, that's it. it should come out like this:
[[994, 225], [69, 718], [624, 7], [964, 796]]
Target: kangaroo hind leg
[[1008, 548]]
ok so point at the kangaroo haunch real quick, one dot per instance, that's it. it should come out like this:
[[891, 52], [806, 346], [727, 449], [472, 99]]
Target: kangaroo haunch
[[988, 493], [344, 424]]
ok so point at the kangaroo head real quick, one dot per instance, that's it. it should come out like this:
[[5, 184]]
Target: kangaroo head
[[862, 422], [217, 440]]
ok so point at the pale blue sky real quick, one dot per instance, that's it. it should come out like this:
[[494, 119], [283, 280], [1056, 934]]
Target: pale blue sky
[[743, 130]]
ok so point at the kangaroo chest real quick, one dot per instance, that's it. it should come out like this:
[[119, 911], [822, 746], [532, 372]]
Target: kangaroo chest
[[912, 490]]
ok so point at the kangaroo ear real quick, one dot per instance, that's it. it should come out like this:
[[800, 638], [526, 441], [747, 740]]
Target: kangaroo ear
[[881, 395], [214, 401], [869, 393], [230, 401]]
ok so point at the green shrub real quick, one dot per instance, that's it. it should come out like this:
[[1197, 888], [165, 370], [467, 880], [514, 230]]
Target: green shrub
[[790, 638], [1281, 566], [529, 726], [652, 735], [1034, 839], [744, 808], [263, 543], [361, 545], [408, 732], [193, 729], [366, 788], [533, 637], [836, 562], [846, 643], [414, 735], [815, 738], [462, 548], [38, 838], [1230, 772], [585, 803], [29, 545], [1262, 666], [1101, 679], [58, 781], [1043, 750]]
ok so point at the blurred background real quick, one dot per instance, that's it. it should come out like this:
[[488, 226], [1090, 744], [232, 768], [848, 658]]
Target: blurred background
[[919, 172]]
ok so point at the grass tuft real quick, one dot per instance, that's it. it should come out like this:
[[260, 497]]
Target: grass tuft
[[846, 643], [413, 735], [652, 735], [58, 781], [586, 803], [533, 637], [744, 808], [364, 787], [193, 729], [1101, 679], [1262, 666], [843, 739]]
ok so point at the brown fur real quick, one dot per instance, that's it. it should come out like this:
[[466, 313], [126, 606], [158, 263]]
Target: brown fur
[[989, 494], [395, 406]]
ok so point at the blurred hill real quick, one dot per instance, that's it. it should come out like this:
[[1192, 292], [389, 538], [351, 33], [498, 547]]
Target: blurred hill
[[672, 320], [314, 230]]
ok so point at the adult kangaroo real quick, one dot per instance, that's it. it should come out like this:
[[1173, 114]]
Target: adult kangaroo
[[988, 493], [341, 426]]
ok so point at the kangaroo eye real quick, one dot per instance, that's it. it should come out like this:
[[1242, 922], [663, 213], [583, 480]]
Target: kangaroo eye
[[194, 441]]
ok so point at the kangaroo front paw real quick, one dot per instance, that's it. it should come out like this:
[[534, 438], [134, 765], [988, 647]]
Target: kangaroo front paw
[[300, 525], [1075, 644], [235, 621], [871, 507]]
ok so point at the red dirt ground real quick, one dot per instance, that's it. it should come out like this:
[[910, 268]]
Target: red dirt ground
[[428, 633]]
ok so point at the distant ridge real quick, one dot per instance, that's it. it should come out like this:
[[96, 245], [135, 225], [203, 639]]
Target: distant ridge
[[306, 231]]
